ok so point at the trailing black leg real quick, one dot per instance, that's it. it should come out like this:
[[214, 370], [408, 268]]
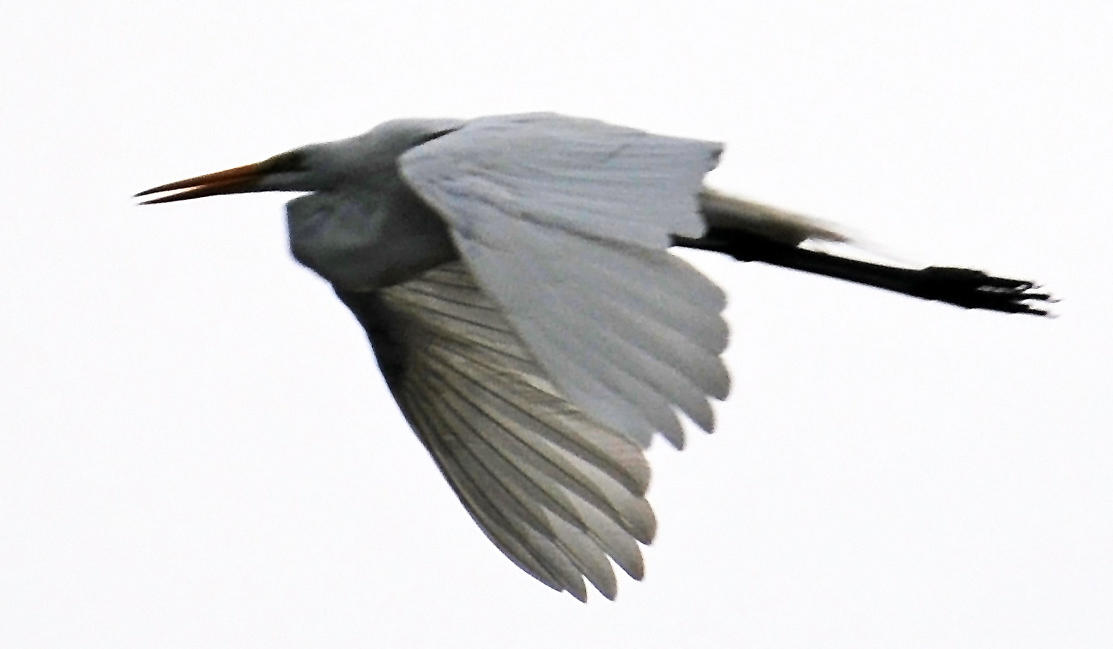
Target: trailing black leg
[[971, 289]]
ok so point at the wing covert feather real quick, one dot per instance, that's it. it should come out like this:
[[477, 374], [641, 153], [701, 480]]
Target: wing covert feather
[[582, 175], [565, 223]]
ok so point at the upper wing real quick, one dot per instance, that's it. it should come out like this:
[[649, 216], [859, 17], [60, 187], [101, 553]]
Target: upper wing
[[555, 491], [565, 223]]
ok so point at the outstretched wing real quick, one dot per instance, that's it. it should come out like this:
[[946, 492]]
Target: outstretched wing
[[555, 491], [565, 223]]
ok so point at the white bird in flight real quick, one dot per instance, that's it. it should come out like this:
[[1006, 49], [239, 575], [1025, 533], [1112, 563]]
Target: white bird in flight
[[514, 277]]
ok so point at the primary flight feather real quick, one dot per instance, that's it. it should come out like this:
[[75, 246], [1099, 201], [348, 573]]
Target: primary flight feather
[[514, 278]]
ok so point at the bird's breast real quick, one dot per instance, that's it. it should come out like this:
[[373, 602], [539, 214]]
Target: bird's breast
[[365, 242]]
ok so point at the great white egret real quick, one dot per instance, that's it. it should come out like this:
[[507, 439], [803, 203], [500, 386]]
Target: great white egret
[[513, 276]]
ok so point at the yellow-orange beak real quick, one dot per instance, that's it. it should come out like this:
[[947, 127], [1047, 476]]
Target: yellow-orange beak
[[229, 181]]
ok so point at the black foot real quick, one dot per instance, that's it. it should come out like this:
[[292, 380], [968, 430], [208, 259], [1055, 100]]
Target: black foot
[[974, 289]]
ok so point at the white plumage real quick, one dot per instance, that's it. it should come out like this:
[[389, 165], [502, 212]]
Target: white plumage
[[514, 278]]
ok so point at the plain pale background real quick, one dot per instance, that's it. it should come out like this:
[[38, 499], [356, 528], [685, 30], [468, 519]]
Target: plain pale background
[[198, 451]]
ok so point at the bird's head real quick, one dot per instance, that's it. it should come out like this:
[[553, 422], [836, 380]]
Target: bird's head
[[366, 160]]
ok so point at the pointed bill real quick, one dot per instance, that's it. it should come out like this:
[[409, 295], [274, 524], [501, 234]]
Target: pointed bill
[[237, 180]]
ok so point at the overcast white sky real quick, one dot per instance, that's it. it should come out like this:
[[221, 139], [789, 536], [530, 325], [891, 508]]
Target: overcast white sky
[[197, 450]]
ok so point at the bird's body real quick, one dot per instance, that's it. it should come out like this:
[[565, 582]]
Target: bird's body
[[369, 229], [366, 240], [514, 278]]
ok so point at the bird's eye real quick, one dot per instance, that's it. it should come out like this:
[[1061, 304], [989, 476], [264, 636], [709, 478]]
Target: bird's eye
[[289, 161]]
